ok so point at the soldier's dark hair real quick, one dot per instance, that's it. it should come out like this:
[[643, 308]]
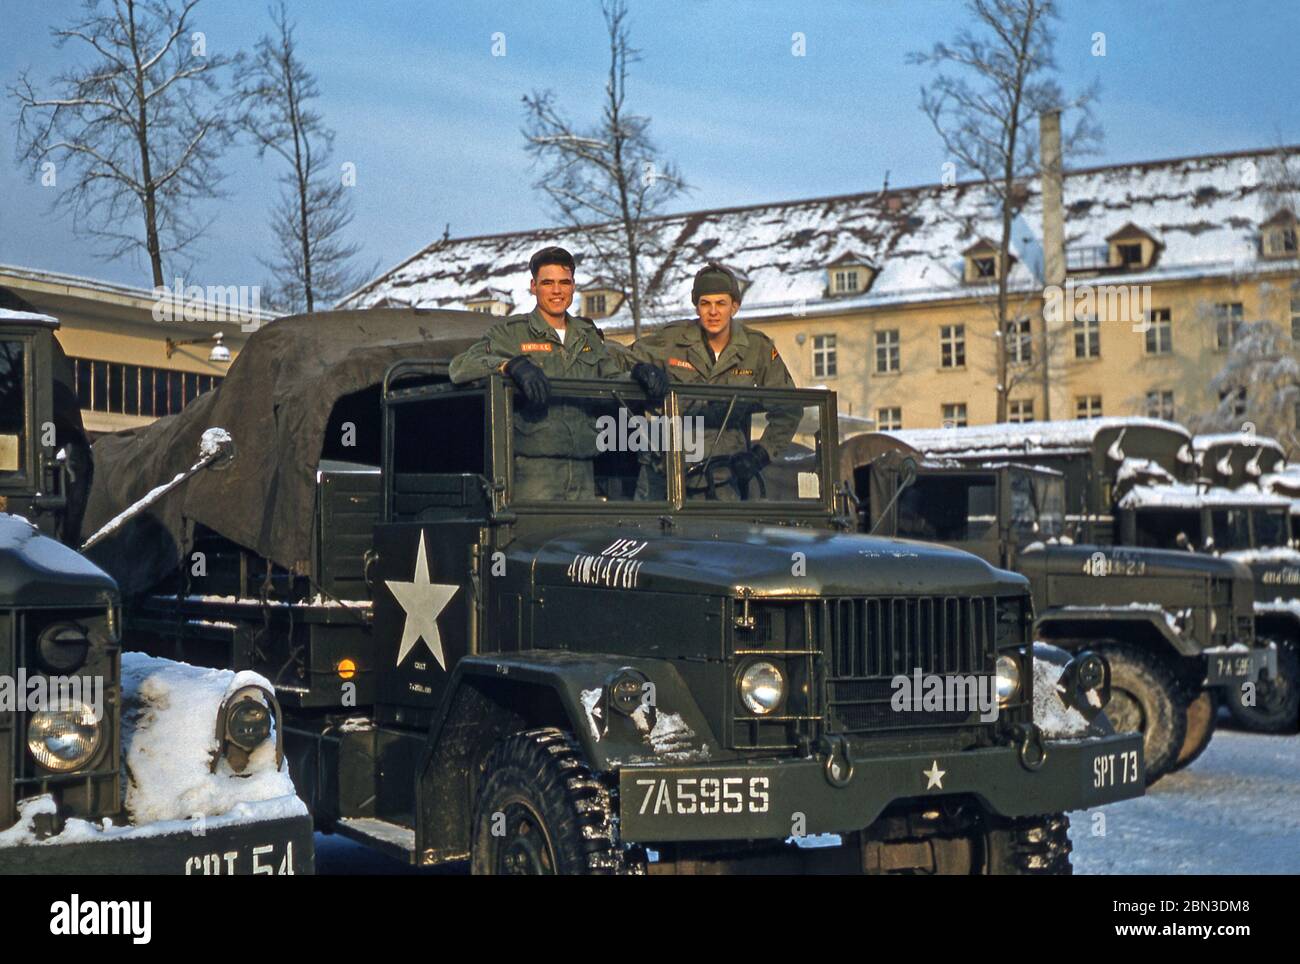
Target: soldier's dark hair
[[551, 255]]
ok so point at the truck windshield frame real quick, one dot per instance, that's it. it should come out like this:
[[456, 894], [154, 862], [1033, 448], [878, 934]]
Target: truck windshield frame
[[17, 445]]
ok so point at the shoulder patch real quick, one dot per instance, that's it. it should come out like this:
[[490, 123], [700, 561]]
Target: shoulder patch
[[586, 348], [774, 353], [535, 346]]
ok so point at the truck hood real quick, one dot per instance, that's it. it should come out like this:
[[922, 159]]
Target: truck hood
[[765, 560], [36, 570], [1276, 571], [1157, 562]]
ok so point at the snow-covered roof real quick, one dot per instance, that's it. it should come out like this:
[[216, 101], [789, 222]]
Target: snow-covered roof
[[9, 314], [1204, 214], [1204, 442], [1184, 496], [1012, 438]]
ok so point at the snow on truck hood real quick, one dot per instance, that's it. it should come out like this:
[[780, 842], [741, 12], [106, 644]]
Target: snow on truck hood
[[719, 557]]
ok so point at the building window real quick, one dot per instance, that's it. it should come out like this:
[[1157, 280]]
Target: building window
[[136, 390], [1238, 396], [844, 281], [1160, 404], [1087, 406], [1295, 319], [1160, 332], [1280, 239], [984, 268], [1087, 338], [1020, 342], [886, 351], [1020, 410], [1228, 317], [952, 346], [1130, 254], [954, 415], [823, 356], [482, 309], [889, 419]]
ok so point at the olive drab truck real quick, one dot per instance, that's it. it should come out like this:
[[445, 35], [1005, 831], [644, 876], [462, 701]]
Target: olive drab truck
[[69, 799], [1233, 511], [1176, 628], [604, 686]]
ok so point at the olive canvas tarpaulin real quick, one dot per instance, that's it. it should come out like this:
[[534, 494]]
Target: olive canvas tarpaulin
[[276, 402]]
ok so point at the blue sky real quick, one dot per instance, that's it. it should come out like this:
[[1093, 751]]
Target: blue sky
[[432, 119]]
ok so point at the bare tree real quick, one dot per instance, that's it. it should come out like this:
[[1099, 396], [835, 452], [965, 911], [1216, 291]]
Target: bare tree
[[1259, 384], [991, 84], [313, 262], [607, 180], [140, 126]]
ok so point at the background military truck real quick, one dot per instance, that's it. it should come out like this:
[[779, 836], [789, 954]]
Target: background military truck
[[1161, 618], [1250, 527], [65, 732], [1232, 459], [600, 686]]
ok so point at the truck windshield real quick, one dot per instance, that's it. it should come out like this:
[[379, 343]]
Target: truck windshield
[[1161, 528], [13, 406], [1037, 505], [1231, 528], [1270, 528], [610, 446], [948, 508]]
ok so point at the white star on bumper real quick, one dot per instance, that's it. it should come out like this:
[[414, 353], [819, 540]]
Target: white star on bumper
[[423, 602], [934, 775]]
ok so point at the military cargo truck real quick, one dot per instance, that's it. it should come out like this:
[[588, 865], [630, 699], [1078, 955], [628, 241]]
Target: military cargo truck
[[62, 687], [599, 686], [1252, 528], [1176, 628]]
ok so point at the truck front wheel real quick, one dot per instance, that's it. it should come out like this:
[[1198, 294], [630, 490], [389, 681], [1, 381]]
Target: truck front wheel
[[540, 810], [1028, 845], [1277, 701], [1146, 698], [1202, 711]]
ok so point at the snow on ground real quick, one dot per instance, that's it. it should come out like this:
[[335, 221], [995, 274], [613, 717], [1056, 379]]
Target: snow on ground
[[1236, 810]]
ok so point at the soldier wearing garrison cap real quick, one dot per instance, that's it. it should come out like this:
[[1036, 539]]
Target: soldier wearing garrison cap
[[555, 443], [715, 349]]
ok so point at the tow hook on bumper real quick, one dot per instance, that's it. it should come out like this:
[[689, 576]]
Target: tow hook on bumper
[[838, 766], [1030, 746]]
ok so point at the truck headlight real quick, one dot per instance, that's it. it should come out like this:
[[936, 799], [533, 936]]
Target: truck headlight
[[1008, 679], [762, 687], [64, 740], [247, 718]]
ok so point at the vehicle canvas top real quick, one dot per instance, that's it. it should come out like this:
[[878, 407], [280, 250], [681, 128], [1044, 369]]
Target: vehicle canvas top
[[276, 402], [1235, 458]]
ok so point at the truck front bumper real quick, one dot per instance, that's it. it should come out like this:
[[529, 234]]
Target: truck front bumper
[[774, 798], [1225, 666], [276, 846]]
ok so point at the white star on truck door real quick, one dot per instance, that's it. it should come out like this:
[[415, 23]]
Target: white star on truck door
[[423, 602]]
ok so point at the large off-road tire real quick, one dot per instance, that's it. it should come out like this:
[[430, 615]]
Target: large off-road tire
[[1277, 701], [1028, 845], [1202, 711], [540, 810], [1146, 697]]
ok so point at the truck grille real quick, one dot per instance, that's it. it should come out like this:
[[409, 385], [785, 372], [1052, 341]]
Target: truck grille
[[868, 642]]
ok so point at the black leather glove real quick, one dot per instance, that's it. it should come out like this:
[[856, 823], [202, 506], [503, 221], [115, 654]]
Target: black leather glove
[[653, 379], [532, 381], [746, 465]]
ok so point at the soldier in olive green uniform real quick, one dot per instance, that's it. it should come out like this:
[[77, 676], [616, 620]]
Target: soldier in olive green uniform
[[715, 349], [554, 443]]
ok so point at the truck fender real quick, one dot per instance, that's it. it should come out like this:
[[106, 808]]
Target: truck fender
[[1124, 624], [621, 710]]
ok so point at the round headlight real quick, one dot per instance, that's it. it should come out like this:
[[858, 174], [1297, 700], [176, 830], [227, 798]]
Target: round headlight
[[64, 740], [1008, 679], [249, 724], [762, 687]]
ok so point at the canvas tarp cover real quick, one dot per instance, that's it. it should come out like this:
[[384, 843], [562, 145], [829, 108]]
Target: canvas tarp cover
[[275, 402]]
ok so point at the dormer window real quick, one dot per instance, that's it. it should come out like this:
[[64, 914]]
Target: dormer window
[[982, 263], [1280, 235], [849, 274], [599, 300], [1131, 249], [490, 301]]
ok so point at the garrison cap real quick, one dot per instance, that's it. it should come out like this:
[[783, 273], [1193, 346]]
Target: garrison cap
[[551, 255], [714, 279]]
